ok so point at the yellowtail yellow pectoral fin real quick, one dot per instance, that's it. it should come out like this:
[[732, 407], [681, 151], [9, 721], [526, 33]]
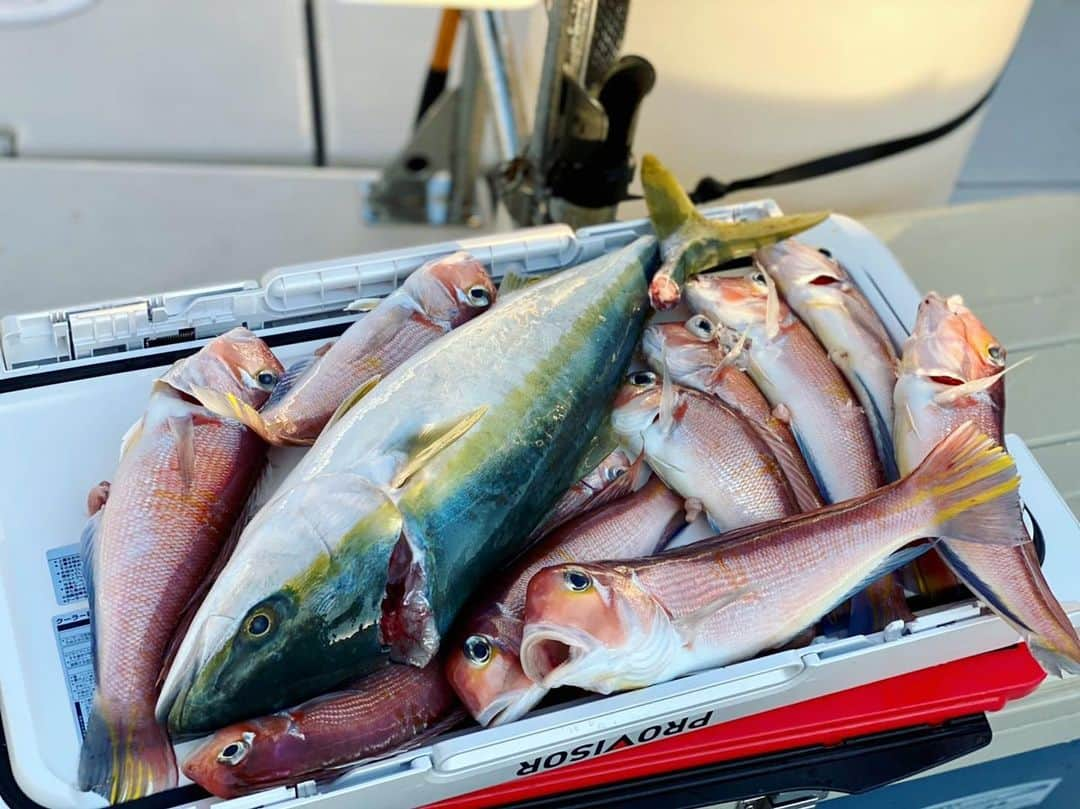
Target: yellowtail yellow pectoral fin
[[515, 282], [433, 440], [363, 390]]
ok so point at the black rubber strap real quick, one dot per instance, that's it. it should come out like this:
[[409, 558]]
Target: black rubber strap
[[709, 188]]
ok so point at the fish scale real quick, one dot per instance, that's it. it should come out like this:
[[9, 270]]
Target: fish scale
[[436, 298], [795, 374], [703, 365], [535, 374], [949, 342], [496, 690], [706, 452], [148, 549], [618, 625], [372, 717]]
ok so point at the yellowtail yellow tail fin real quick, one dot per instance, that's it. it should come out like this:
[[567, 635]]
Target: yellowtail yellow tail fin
[[670, 209], [972, 484], [690, 244]]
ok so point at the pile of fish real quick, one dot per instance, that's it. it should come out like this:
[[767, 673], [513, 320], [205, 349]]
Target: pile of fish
[[495, 498]]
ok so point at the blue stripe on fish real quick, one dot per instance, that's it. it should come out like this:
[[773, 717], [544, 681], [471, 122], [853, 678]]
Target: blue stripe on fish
[[882, 430], [978, 587], [809, 458]]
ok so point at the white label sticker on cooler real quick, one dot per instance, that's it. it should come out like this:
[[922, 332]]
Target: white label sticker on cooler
[[74, 641], [1018, 796], [65, 568]]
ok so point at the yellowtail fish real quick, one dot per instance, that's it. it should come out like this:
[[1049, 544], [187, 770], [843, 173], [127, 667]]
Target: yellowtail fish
[[184, 477], [416, 493], [691, 353], [483, 666], [612, 626], [439, 296], [825, 298], [690, 243], [395, 708], [951, 372], [703, 450]]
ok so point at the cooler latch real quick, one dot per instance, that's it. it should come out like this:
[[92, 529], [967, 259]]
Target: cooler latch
[[801, 799]]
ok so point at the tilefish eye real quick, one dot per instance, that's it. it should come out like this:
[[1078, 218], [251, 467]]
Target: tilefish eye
[[642, 379], [266, 379], [577, 580], [996, 354], [478, 650], [614, 473], [701, 327], [479, 296], [258, 624], [234, 752], [758, 277]]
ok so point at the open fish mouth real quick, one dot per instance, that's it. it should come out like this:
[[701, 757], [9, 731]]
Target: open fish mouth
[[511, 706], [552, 655]]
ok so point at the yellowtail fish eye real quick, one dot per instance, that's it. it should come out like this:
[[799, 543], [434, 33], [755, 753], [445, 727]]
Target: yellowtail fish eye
[[266, 379], [701, 327], [996, 354], [642, 379], [234, 752], [478, 297], [258, 624], [577, 580], [477, 650]]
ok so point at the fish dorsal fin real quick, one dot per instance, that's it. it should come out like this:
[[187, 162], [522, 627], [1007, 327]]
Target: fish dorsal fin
[[434, 439], [669, 206], [363, 305], [131, 437], [689, 624], [292, 375], [515, 282], [954, 392], [772, 308], [183, 431], [667, 397], [363, 390]]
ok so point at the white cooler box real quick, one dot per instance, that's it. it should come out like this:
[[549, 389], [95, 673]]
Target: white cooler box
[[73, 380]]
